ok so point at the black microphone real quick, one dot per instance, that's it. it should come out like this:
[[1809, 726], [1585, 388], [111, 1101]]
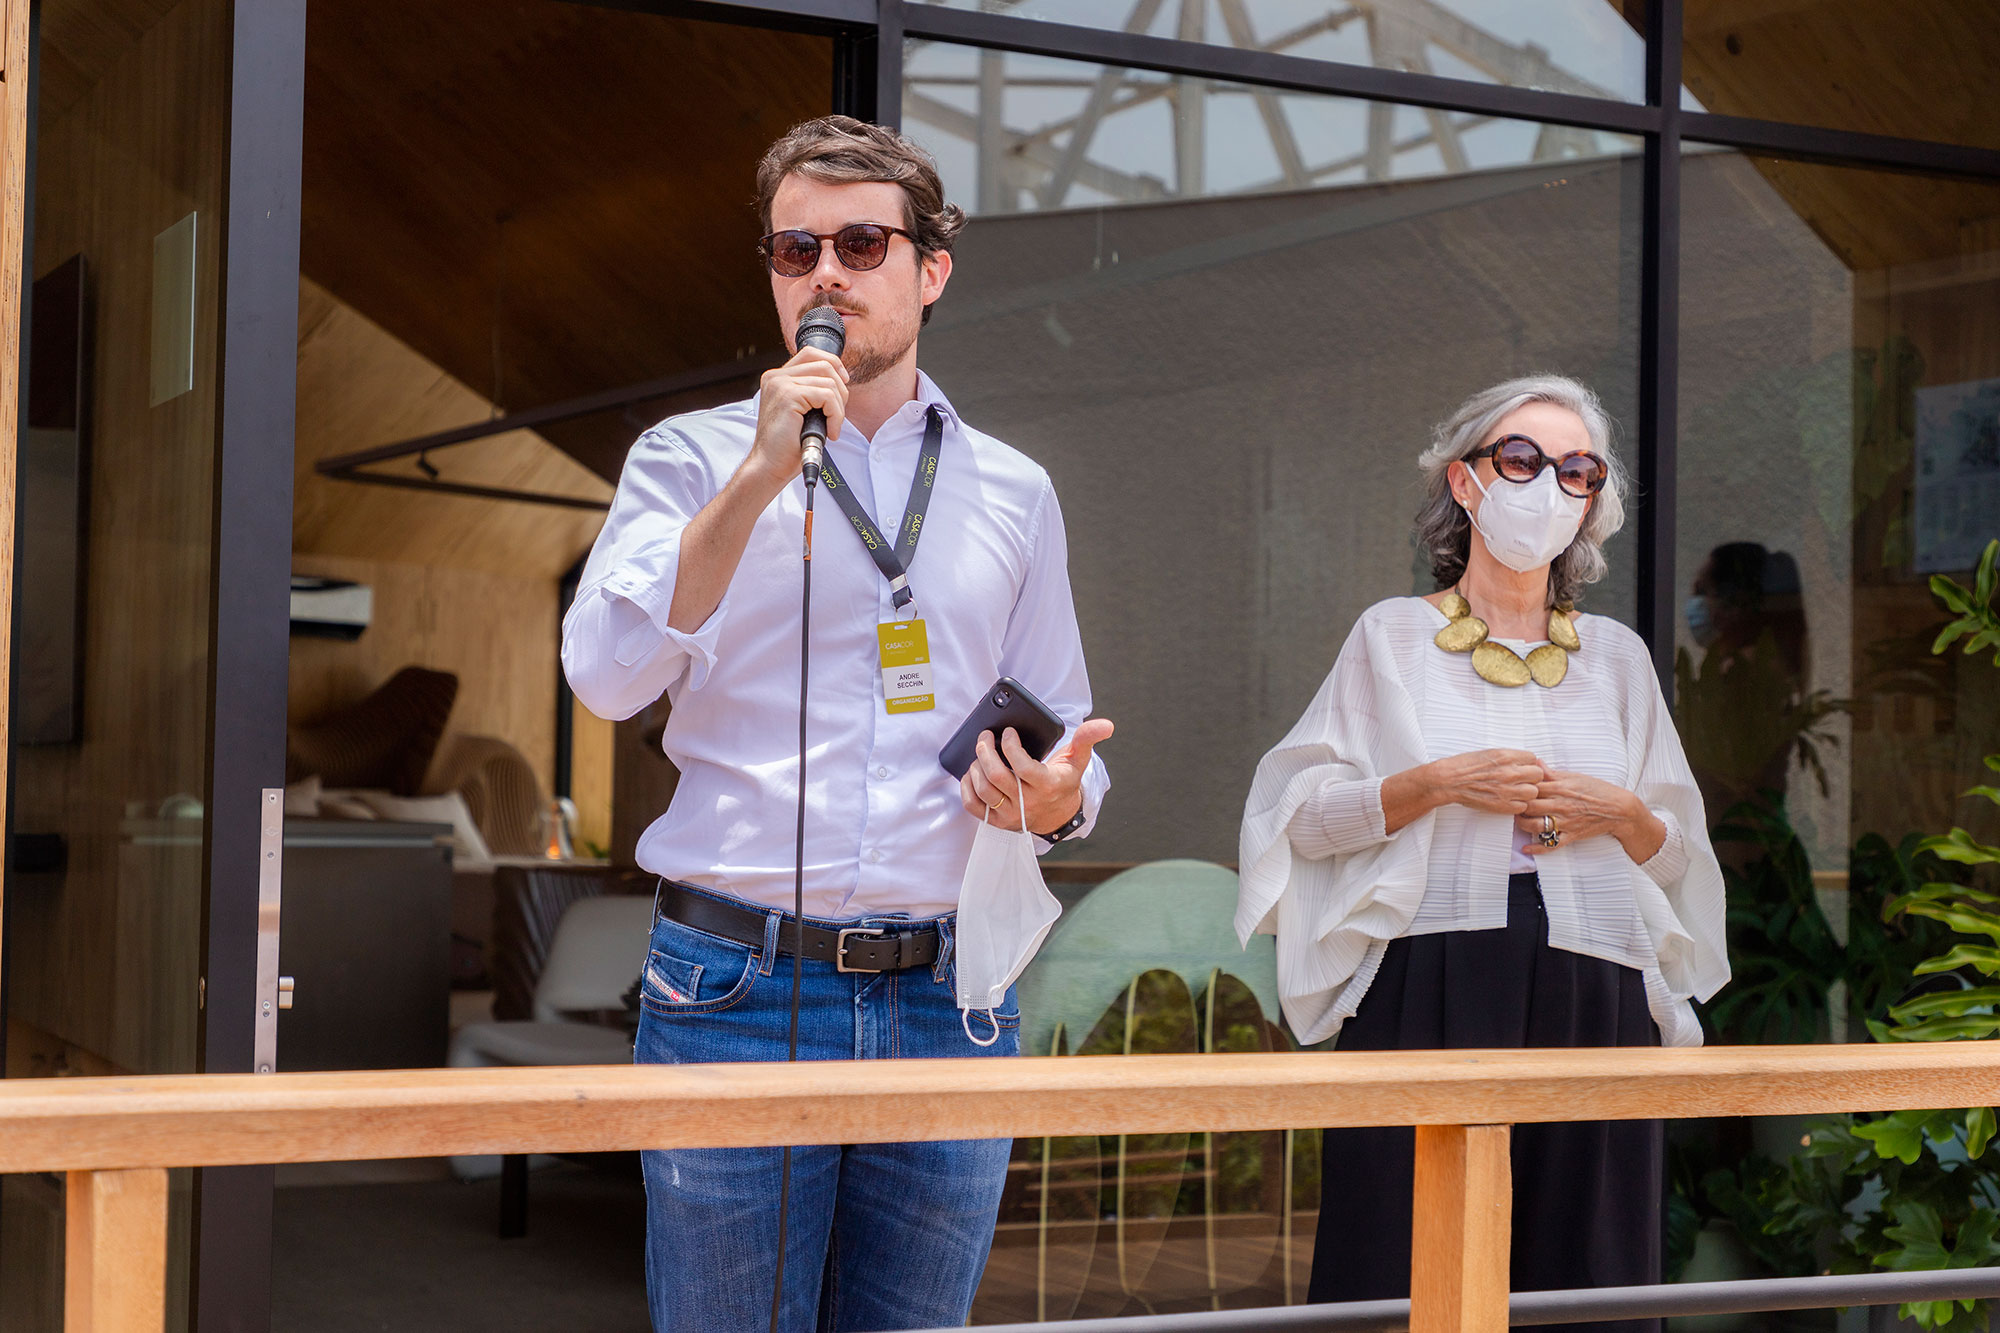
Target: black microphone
[[823, 328]]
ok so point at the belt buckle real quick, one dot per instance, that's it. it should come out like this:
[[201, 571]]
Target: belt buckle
[[840, 947]]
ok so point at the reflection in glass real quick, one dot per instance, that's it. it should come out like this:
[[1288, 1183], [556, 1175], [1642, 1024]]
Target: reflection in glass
[[104, 936], [1017, 132], [1230, 373], [1593, 48], [1840, 400]]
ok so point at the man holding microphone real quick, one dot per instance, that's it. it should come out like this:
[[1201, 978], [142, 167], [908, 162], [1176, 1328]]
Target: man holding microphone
[[693, 590]]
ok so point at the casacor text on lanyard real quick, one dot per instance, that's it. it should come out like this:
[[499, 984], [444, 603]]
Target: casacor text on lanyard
[[905, 646]]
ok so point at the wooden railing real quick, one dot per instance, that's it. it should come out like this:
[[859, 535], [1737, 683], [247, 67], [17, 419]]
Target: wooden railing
[[115, 1137]]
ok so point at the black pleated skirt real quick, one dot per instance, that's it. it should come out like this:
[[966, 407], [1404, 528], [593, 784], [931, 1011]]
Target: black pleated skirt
[[1588, 1196]]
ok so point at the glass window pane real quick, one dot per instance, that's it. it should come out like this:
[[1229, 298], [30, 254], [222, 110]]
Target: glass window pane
[[1921, 70], [1839, 407], [1230, 378], [1593, 48]]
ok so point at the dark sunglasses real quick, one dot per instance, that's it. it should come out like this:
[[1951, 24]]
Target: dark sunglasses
[[859, 246], [1519, 459]]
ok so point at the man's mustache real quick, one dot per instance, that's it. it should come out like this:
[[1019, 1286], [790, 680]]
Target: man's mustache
[[828, 303]]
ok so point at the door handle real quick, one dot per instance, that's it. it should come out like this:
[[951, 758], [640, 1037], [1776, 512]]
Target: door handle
[[273, 992]]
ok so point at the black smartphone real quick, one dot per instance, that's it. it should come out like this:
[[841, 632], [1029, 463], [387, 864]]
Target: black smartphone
[[1005, 704]]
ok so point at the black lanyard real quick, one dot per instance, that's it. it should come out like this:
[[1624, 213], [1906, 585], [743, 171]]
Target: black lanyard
[[894, 561]]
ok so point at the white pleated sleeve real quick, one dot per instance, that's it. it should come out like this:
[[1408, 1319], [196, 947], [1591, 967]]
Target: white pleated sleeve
[[1333, 916]]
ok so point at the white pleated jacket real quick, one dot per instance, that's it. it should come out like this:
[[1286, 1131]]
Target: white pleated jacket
[[1395, 700]]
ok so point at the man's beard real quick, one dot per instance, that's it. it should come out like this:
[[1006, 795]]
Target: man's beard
[[865, 365]]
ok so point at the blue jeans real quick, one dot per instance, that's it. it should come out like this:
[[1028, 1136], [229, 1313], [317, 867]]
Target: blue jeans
[[880, 1236]]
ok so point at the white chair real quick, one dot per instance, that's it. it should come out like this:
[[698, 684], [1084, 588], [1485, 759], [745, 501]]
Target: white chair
[[595, 958]]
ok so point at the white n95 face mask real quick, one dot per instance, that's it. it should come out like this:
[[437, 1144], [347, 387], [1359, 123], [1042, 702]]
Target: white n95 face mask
[[1527, 525], [1004, 914]]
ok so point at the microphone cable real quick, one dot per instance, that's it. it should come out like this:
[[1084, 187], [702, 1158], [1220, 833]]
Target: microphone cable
[[812, 472]]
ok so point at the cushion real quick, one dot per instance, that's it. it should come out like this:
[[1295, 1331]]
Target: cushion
[[467, 847]]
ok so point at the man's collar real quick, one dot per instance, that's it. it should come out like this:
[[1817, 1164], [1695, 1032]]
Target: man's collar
[[930, 395]]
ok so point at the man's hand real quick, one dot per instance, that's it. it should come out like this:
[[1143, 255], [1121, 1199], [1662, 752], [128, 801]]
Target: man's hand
[[812, 378], [1052, 791], [712, 543]]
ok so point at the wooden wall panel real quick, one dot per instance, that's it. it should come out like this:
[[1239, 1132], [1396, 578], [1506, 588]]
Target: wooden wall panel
[[497, 632], [13, 218], [591, 765], [140, 144]]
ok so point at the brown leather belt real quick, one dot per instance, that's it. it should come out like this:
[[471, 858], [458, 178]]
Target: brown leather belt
[[849, 948]]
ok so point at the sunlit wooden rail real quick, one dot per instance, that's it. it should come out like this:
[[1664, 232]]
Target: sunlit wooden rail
[[116, 1137]]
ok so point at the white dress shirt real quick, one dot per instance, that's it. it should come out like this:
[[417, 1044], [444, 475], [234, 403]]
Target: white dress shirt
[[1321, 872], [885, 831]]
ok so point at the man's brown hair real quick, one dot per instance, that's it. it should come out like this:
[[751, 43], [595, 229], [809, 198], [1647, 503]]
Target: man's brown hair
[[840, 150]]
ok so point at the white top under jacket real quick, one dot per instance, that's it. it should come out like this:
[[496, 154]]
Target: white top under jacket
[[1320, 872], [885, 832]]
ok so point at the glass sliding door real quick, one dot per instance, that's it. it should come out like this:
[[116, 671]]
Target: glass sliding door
[[137, 712]]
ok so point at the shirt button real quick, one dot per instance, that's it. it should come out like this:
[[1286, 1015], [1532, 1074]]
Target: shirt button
[[882, 772], [875, 855]]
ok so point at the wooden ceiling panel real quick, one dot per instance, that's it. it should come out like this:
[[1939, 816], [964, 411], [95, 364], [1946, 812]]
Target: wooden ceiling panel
[[359, 385], [1919, 69], [547, 199]]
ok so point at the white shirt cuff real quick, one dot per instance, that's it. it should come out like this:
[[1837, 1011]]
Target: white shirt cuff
[[1666, 866], [1342, 816]]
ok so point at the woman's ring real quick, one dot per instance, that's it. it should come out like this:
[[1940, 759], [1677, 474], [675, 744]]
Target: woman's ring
[[1551, 834]]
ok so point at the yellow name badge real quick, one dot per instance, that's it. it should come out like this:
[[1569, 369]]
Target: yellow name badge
[[906, 667]]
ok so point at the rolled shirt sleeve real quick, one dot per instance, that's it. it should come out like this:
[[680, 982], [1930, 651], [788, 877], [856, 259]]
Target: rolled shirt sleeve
[[618, 651]]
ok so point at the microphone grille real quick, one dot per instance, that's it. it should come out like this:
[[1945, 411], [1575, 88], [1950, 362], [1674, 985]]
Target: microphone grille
[[823, 328]]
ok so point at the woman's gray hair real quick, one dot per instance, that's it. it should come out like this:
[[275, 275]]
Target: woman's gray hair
[[1445, 533]]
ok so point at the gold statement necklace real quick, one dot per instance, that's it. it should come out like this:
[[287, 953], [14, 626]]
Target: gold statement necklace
[[1546, 665]]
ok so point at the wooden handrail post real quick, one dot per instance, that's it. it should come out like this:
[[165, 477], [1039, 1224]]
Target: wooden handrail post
[[115, 1278], [1461, 1230]]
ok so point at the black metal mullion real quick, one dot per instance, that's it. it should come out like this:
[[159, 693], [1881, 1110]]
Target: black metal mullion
[[1659, 342], [813, 16], [1168, 55], [249, 611], [854, 57], [1846, 148], [889, 29]]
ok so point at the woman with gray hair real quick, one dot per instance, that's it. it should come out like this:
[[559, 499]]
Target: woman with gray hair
[[1483, 833]]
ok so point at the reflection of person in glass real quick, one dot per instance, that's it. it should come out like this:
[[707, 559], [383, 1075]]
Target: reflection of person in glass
[[1744, 712], [1483, 833]]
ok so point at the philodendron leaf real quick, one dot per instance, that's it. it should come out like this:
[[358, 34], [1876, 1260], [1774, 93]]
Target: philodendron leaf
[[1993, 762], [1940, 892], [1960, 846], [1990, 793], [1948, 591], [1956, 1003], [1979, 1129], [1965, 920], [1951, 633], [1901, 1136], [1948, 1029], [1919, 1234], [1984, 957]]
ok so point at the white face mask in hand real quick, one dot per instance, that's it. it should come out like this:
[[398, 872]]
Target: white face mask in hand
[[1527, 525], [1004, 913]]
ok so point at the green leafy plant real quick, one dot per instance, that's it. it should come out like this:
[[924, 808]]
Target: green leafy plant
[[1783, 952], [1917, 1190]]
